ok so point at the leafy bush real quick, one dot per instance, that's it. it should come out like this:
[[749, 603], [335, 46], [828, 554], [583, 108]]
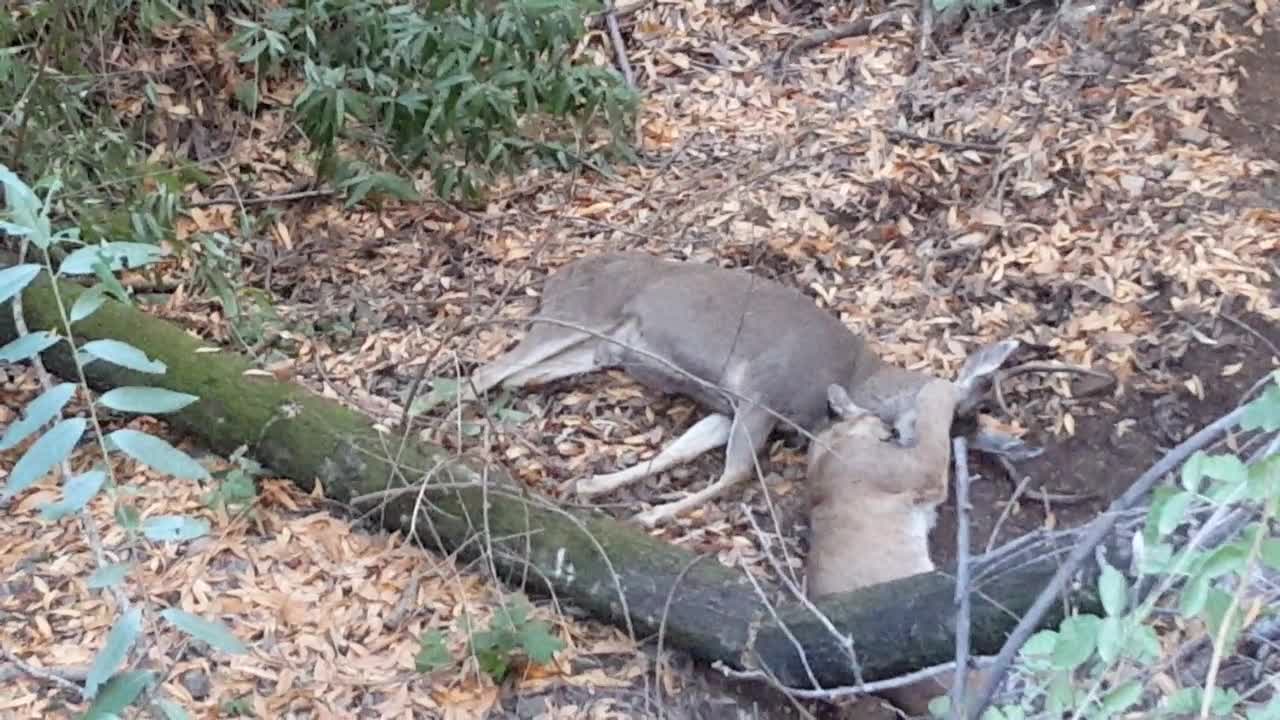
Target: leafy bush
[[1101, 667], [511, 633], [455, 84], [55, 436]]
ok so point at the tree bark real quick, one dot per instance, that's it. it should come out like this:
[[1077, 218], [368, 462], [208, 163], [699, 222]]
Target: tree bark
[[612, 570]]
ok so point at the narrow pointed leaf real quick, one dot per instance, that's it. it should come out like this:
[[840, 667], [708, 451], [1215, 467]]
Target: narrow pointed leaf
[[149, 400], [14, 279], [39, 411], [170, 528], [120, 641], [214, 633], [118, 694], [108, 576], [77, 493], [116, 256], [124, 355], [52, 448], [88, 303], [157, 454], [27, 346]]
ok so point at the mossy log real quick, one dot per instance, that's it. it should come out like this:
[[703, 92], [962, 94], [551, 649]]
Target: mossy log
[[613, 570]]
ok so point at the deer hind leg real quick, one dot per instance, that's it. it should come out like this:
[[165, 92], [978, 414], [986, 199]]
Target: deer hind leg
[[750, 430], [548, 352], [707, 434]]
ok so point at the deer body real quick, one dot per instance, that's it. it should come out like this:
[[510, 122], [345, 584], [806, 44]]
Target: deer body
[[740, 345]]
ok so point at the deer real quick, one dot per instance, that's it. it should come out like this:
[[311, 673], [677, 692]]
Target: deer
[[872, 504], [752, 351]]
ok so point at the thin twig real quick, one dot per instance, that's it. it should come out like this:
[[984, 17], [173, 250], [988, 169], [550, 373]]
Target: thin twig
[[940, 142], [961, 452], [845, 640], [662, 623], [786, 629], [870, 688], [1275, 351], [619, 48], [55, 677], [1098, 530], [926, 34], [264, 199], [1020, 490], [862, 26]]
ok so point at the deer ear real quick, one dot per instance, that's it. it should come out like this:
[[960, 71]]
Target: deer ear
[[975, 377], [841, 404]]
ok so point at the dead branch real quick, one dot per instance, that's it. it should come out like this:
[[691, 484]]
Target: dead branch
[[863, 26], [619, 48]]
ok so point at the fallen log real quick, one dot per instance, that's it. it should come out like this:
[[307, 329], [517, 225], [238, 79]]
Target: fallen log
[[612, 570]]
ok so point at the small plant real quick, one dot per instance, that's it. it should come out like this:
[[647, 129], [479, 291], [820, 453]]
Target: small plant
[[1100, 666], [510, 635], [467, 87], [108, 688], [235, 486]]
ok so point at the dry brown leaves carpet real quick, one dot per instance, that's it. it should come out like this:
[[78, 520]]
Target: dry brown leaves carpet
[[1073, 198]]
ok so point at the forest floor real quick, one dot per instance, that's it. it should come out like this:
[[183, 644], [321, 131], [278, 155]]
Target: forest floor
[[1101, 185]]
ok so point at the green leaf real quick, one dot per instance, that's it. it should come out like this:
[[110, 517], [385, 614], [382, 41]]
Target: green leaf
[[214, 633], [1194, 594], [174, 528], [88, 303], [1121, 699], [1111, 637], [1060, 694], [1193, 471], [171, 710], [1264, 412], [108, 576], [1174, 512], [149, 400], [1077, 638], [119, 693], [157, 454], [115, 255], [76, 493], [1224, 467], [1226, 559], [1038, 648], [124, 355], [27, 346], [539, 643], [44, 454], [14, 279], [38, 412], [1182, 702], [120, 641], [1270, 553], [1215, 610], [1113, 589], [1142, 643], [433, 652], [1155, 559]]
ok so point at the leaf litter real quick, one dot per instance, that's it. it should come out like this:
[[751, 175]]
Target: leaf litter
[[1051, 178]]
